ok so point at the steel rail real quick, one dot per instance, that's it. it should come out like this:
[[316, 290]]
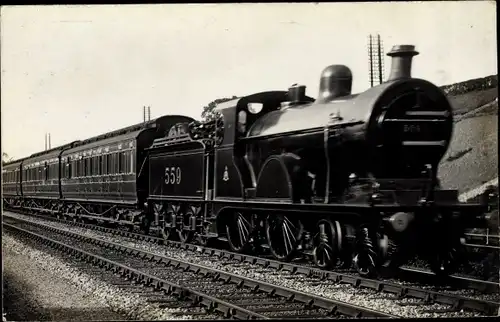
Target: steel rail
[[168, 287], [309, 300], [458, 302]]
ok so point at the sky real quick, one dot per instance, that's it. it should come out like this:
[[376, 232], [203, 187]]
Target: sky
[[80, 71]]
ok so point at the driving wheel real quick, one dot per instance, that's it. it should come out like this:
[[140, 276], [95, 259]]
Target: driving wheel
[[283, 236]]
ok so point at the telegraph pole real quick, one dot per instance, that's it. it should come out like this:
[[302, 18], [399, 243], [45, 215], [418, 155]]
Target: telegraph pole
[[146, 113], [375, 60]]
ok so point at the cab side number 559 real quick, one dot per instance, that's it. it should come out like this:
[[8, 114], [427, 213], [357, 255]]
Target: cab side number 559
[[173, 175]]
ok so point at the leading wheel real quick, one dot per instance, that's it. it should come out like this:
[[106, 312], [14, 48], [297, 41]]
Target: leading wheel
[[283, 236], [239, 230]]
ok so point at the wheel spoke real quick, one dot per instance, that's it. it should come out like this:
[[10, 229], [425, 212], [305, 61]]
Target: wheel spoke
[[282, 236], [239, 229], [286, 240]]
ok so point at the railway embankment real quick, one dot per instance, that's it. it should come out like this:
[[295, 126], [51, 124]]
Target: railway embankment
[[469, 95], [472, 158]]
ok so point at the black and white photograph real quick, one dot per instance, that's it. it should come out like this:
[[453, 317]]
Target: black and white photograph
[[234, 161]]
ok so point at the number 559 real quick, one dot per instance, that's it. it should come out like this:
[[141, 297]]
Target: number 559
[[173, 175]]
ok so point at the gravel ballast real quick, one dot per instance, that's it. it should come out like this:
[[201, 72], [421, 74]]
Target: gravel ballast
[[81, 296], [36, 291], [383, 302]]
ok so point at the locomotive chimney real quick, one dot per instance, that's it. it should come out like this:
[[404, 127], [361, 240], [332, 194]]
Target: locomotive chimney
[[402, 56], [336, 81]]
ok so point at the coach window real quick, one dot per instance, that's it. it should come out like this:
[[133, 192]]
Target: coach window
[[132, 159], [46, 170], [75, 168], [112, 163], [99, 161], [55, 171], [86, 167], [109, 164], [125, 161], [105, 164], [119, 163], [95, 167], [68, 168], [90, 166]]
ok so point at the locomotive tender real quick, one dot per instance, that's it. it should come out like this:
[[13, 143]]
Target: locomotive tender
[[341, 178]]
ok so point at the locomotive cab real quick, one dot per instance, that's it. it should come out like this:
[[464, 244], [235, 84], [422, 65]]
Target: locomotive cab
[[237, 162]]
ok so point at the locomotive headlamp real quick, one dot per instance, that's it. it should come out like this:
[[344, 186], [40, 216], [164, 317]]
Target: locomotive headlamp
[[400, 221]]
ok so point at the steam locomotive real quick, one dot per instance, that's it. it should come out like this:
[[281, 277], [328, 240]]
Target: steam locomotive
[[344, 178]]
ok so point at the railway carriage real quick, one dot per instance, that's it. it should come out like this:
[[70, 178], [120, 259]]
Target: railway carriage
[[40, 180], [105, 178], [11, 182]]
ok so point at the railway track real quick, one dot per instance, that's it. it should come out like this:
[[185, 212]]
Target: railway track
[[427, 295], [408, 274], [232, 295]]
